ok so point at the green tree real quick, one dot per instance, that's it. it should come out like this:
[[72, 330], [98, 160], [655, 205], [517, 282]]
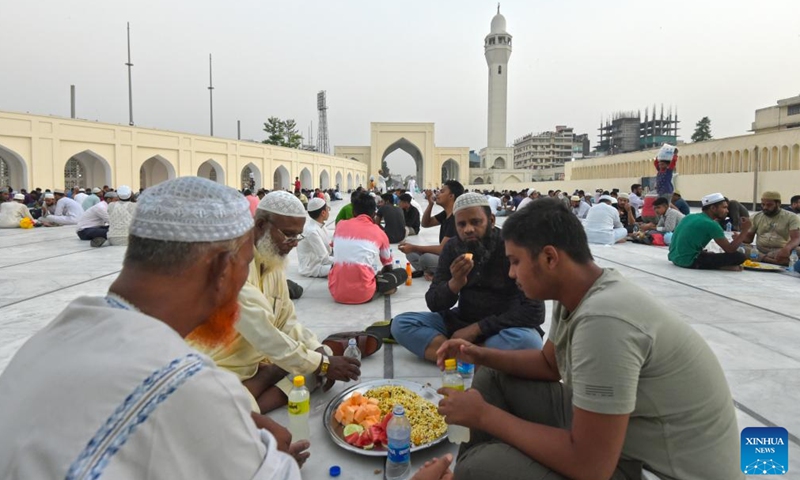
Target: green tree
[[702, 131], [282, 133]]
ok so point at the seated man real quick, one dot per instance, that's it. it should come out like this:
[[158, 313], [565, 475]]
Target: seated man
[[269, 342], [579, 208], [472, 272], [775, 230], [346, 213], [134, 400], [613, 394], [680, 203], [11, 213], [668, 219], [506, 206], [314, 252], [66, 212], [362, 262], [602, 224], [410, 214], [690, 238], [91, 200], [794, 207], [393, 218], [736, 212], [627, 214], [424, 258], [120, 215], [93, 224]]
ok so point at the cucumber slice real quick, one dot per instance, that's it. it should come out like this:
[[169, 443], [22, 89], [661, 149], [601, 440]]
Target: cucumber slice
[[352, 428]]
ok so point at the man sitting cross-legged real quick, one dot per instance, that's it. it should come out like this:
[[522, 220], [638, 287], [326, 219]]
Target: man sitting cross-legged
[[110, 389], [613, 394], [686, 249], [776, 231], [473, 272], [269, 341]]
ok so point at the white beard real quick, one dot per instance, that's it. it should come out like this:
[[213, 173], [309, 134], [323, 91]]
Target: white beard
[[269, 255]]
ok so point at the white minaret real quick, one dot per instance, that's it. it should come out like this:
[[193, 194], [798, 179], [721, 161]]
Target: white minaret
[[497, 50]]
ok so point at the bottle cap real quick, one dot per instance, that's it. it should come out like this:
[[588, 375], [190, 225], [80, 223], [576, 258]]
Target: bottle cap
[[335, 471], [299, 381], [450, 363], [352, 341], [398, 410]]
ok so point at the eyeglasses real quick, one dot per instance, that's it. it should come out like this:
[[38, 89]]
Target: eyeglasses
[[286, 238]]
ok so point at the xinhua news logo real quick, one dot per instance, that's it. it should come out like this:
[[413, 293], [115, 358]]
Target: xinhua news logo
[[765, 451]]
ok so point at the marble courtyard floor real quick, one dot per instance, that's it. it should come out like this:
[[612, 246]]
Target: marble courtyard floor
[[750, 319]]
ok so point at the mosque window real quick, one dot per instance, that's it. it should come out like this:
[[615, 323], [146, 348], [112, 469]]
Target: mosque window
[[491, 41], [794, 109]]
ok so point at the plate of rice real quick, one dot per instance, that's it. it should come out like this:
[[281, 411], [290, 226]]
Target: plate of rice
[[420, 402]]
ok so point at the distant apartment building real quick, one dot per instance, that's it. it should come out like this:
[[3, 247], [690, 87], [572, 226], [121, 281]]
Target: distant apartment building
[[784, 115], [627, 132], [549, 149]]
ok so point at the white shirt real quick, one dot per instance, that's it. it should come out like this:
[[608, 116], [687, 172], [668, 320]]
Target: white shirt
[[581, 210], [167, 411], [524, 202], [314, 252], [120, 215], [494, 203], [602, 218], [636, 201], [80, 197], [96, 216], [11, 213], [67, 207]]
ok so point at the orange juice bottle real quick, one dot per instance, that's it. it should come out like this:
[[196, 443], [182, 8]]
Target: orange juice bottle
[[408, 271]]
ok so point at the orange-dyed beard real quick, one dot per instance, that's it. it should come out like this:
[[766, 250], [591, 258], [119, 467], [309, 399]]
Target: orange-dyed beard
[[220, 329]]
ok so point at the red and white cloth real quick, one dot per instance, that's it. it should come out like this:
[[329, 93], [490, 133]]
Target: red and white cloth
[[360, 251]]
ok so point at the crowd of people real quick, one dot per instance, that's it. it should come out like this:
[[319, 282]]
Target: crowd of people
[[178, 380]]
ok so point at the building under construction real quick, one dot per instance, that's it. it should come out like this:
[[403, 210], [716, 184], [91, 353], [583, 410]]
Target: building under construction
[[627, 132]]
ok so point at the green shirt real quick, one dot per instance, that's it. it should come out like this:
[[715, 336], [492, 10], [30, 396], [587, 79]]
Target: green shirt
[[621, 352], [690, 238], [346, 213]]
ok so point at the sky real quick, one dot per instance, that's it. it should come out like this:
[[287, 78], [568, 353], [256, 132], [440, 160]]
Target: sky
[[573, 63]]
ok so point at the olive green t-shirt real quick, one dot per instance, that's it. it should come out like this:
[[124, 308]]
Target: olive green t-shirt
[[772, 233], [690, 238], [622, 352]]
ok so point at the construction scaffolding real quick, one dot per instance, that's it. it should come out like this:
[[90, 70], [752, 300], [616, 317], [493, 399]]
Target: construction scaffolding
[[627, 132], [323, 145]]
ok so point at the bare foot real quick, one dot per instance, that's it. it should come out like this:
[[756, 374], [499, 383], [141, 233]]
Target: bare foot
[[732, 268]]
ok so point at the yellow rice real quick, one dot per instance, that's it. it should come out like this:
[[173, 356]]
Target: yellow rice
[[426, 423]]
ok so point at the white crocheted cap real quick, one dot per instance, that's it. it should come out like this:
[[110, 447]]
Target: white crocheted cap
[[282, 203], [315, 204], [471, 199], [191, 210]]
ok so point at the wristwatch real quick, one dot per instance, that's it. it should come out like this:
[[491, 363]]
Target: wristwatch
[[323, 367]]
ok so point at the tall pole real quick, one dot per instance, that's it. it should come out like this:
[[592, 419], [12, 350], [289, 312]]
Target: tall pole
[[238, 129], [211, 94], [755, 179], [72, 101], [130, 86]]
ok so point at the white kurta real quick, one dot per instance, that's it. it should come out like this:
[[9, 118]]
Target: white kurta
[[120, 215], [67, 212], [602, 224], [314, 252], [11, 213], [96, 216], [112, 393]]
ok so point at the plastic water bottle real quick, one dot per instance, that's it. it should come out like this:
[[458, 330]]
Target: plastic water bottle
[[398, 457], [451, 379], [754, 253], [729, 227], [467, 371], [299, 402], [792, 260], [352, 351], [636, 229]]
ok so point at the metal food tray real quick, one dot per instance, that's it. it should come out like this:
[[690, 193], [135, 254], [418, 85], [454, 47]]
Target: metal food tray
[[335, 429], [765, 267]]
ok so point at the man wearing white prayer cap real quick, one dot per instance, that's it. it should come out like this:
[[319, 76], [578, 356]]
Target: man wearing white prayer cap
[[11, 213], [472, 272], [120, 216], [314, 252], [269, 342], [110, 389], [602, 223], [689, 240], [67, 211]]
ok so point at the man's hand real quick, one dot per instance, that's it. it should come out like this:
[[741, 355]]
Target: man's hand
[[429, 195], [745, 224], [461, 350], [343, 369], [469, 333], [406, 248], [299, 450], [462, 408], [281, 434], [459, 270], [435, 469]]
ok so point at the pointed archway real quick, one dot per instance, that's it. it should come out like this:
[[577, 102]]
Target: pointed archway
[[350, 181], [358, 181], [499, 163], [324, 180], [13, 169], [305, 179], [211, 170], [280, 178], [405, 152], [86, 169], [155, 170], [251, 178], [450, 170], [338, 180]]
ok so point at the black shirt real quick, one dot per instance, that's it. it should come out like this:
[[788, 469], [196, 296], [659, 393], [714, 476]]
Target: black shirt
[[490, 297], [394, 222], [447, 227], [412, 218]]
